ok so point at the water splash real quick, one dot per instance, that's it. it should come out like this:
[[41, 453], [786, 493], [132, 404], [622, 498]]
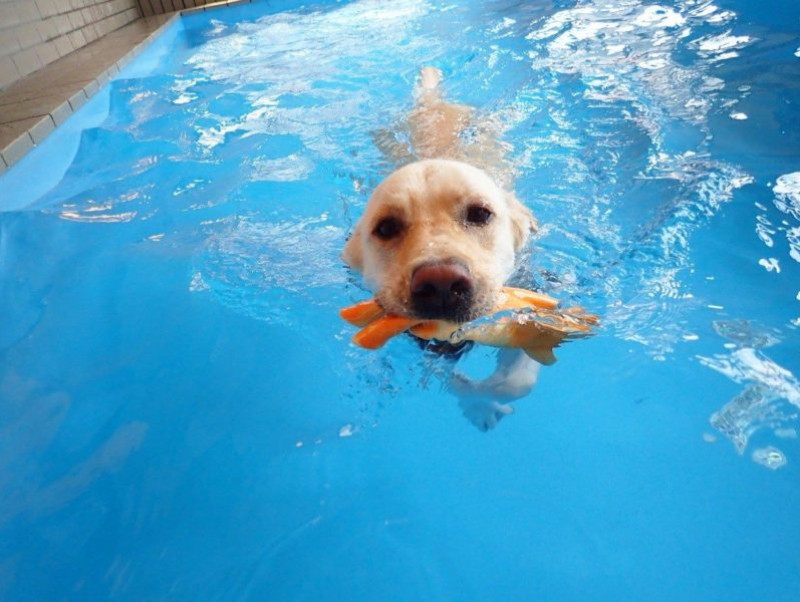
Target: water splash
[[768, 386], [787, 200], [770, 456], [630, 59]]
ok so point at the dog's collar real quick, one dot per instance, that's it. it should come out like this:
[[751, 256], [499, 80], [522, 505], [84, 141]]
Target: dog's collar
[[444, 349]]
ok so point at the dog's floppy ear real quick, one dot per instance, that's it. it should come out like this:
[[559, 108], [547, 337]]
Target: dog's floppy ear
[[522, 221], [353, 254]]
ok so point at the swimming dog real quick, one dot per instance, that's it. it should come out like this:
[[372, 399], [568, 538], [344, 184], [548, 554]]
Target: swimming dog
[[440, 236]]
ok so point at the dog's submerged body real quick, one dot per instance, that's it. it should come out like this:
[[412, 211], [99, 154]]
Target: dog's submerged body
[[439, 237]]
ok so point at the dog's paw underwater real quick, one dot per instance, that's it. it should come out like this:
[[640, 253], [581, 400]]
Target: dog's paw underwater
[[522, 319]]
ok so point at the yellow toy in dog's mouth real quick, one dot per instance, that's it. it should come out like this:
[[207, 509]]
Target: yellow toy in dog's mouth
[[529, 321]]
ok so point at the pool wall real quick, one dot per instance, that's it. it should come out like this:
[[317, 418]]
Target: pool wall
[[160, 7], [35, 34], [37, 96]]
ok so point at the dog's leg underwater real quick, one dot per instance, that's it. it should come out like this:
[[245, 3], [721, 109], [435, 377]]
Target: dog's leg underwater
[[486, 402]]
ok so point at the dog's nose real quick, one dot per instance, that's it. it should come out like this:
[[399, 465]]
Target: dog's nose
[[441, 291]]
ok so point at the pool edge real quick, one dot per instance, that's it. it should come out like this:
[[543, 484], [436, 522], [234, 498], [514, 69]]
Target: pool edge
[[46, 124], [42, 126]]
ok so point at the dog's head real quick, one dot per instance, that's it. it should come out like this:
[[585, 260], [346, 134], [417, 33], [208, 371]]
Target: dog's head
[[437, 240]]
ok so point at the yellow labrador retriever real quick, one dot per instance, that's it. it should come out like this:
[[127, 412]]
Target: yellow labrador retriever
[[439, 237]]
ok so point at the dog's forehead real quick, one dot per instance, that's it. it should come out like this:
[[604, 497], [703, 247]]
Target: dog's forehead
[[431, 182]]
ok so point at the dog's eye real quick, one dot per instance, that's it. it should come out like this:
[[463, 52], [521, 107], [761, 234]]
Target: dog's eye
[[388, 228], [478, 215]]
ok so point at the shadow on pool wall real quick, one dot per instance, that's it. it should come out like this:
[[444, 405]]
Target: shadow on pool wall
[[184, 417]]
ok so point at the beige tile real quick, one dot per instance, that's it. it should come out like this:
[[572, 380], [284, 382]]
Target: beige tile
[[27, 61], [34, 107], [15, 95], [72, 76], [47, 8], [16, 148], [27, 11], [95, 14], [90, 33], [8, 71], [63, 46], [8, 42], [102, 79], [76, 19], [9, 16], [47, 53], [124, 61], [77, 39], [131, 15], [47, 29], [62, 24], [91, 88], [11, 131], [61, 113], [42, 129], [27, 35], [77, 100], [103, 26]]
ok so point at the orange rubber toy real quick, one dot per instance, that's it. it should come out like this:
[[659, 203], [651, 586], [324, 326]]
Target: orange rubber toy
[[537, 326]]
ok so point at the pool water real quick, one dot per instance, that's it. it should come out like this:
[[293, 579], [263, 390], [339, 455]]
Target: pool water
[[183, 417]]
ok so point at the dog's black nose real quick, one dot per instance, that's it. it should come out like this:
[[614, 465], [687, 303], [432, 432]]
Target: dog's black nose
[[441, 291]]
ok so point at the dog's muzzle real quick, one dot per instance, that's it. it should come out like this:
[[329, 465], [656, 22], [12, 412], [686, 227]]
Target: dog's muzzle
[[442, 291]]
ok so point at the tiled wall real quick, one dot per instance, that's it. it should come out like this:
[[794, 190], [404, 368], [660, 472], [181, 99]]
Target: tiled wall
[[158, 7], [34, 33]]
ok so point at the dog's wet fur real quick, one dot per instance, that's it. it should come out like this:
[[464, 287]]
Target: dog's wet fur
[[439, 237]]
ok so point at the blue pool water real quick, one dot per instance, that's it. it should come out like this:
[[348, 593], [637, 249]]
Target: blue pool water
[[182, 416]]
